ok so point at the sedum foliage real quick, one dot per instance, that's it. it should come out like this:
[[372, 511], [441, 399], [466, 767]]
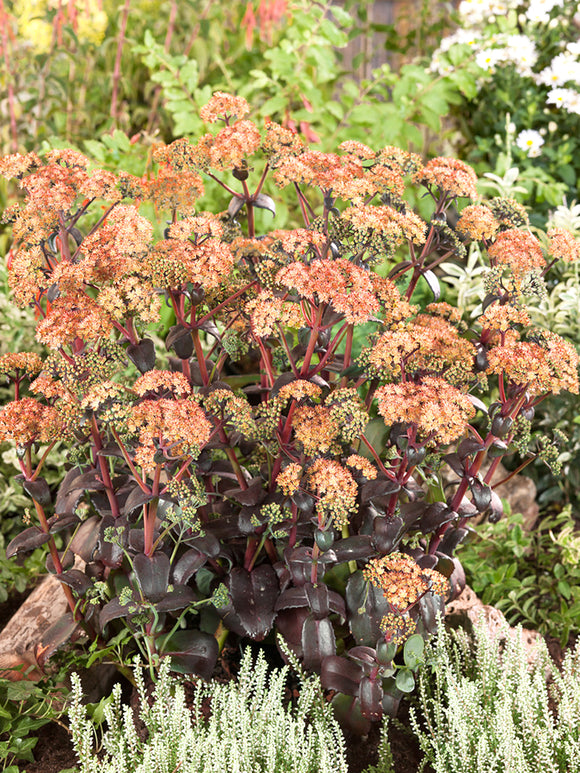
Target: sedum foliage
[[486, 709], [249, 728]]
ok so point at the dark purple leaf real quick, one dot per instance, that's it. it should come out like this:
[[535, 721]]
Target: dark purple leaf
[[371, 698], [366, 656], [253, 596], [387, 533], [66, 561], [193, 652], [253, 495], [468, 447], [456, 579], [179, 598], [481, 493], [379, 487], [399, 268], [451, 539], [434, 516], [431, 608], [26, 541], [338, 673], [496, 508], [57, 523], [113, 609], [366, 606], [187, 566], [235, 205], [39, 491], [292, 598], [142, 355], [353, 548], [109, 553], [265, 202], [455, 463], [152, 573], [76, 580], [412, 512], [318, 642], [467, 509], [55, 637], [348, 712], [136, 499], [318, 600], [84, 542], [180, 340]]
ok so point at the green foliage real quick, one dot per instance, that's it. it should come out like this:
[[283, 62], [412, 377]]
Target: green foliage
[[486, 709], [532, 577], [511, 55], [249, 727], [25, 706]]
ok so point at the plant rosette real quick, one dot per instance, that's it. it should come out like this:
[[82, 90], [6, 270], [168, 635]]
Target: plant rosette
[[256, 422]]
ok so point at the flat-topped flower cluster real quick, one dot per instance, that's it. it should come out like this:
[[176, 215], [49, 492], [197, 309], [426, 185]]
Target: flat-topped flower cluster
[[249, 462]]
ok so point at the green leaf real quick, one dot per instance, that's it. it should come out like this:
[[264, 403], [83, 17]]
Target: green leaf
[[405, 681]]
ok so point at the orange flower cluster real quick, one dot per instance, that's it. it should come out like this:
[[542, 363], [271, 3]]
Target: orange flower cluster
[[449, 175], [175, 190], [439, 411], [164, 382], [362, 466], [548, 366], [346, 287], [222, 107], [179, 425], [73, 316], [316, 429], [27, 421], [384, 220], [280, 143], [477, 222], [336, 490], [265, 310], [503, 318], [401, 580], [562, 245], [518, 250], [173, 262], [289, 479], [428, 344], [20, 363], [299, 389]]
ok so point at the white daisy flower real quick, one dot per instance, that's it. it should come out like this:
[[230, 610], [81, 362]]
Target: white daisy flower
[[489, 57], [530, 141]]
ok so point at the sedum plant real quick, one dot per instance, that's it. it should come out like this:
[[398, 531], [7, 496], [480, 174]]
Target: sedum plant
[[280, 474], [248, 727], [486, 709]]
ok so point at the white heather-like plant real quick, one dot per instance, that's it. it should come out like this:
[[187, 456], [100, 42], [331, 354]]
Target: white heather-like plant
[[249, 729], [485, 709]]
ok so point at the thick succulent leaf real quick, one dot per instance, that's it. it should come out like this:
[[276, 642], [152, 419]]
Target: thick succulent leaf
[[292, 598], [364, 655], [378, 488], [371, 698], [57, 523], [387, 533], [481, 493], [451, 539], [495, 507], [136, 499], [366, 607], [187, 566], [113, 609], [26, 541], [468, 447], [76, 580], [354, 548], [55, 637], [455, 463], [179, 339], [457, 579], [405, 681], [318, 642], [38, 489], [72, 489], [142, 355], [109, 553], [434, 516], [262, 201], [433, 283], [179, 598], [192, 652], [318, 600], [340, 674], [235, 206], [253, 495], [152, 573], [85, 540], [253, 596], [289, 623], [430, 607], [347, 710]]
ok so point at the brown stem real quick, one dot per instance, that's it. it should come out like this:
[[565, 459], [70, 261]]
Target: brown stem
[[103, 468]]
